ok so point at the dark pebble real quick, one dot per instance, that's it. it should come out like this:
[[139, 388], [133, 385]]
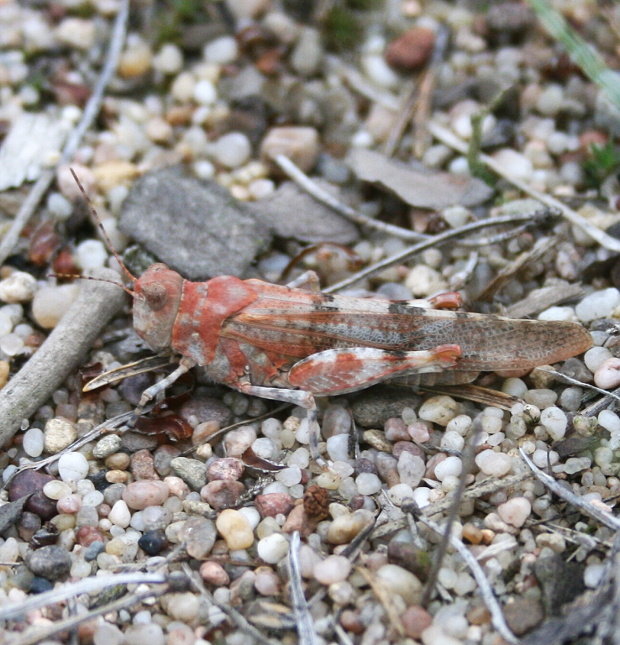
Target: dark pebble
[[45, 536], [407, 446], [40, 585], [50, 562], [27, 482], [42, 506], [28, 525], [222, 493], [153, 542], [364, 465], [99, 481]]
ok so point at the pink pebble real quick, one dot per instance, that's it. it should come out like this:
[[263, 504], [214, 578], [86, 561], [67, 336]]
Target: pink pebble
[[418, 431], [335, 568], [69, 504], [213, 573], [607, 376], [139, 495], [267, 582]]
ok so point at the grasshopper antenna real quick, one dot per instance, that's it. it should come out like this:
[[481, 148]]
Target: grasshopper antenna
[[79, 276], [106, 237]]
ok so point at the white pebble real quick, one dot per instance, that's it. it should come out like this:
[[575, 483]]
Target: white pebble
[[367, 484], [541, 398], [91, 254], [558, 313], [452, 440], [545, 458], [273, 548], [59, 206], [460, 424], [50, 304], [595, 357], [379, 72], [514, 164], [338, 447], [555, 421], [11, 344], [494, 464], [205, 92], [120, 514], [33, 442], [449, 467], [515, 387], [439, 410], [577, 464], [593, 575], [18, 287], [335, 568], [221, 51], [59, 434], [551, 100], [402, 493], [72, 466], [599, 304], [607, 376], [410, 468], [168, 60], [232, 150], [515, 511], [56, 490], [609, 420]]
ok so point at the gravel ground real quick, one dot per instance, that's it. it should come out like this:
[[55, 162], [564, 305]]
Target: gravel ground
[[210, 520]]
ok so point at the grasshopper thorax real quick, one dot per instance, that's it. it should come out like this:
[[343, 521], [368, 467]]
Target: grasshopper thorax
[[157, 296]]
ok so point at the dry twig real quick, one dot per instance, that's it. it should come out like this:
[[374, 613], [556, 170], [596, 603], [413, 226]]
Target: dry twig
[[303, 618]]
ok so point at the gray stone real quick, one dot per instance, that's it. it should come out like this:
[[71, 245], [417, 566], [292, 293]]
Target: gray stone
[[50, 562], [107, 446], [291, 213], [371, 408], [195, 227], [191, 471]]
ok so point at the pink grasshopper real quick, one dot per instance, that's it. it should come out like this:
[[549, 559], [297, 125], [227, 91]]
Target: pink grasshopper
[[292, 343]]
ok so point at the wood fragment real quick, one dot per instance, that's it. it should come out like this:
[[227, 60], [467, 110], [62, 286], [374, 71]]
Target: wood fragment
[[62, 352], [475, 393]]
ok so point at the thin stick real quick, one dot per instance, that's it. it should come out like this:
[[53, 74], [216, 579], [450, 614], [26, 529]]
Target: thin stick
[[436, 240], [303, 618], [85, 585], [88, 116], [587, 386], [448, 138], [312, 188]]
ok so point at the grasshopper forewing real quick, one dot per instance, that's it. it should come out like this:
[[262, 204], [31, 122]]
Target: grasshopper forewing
[[291, 343]]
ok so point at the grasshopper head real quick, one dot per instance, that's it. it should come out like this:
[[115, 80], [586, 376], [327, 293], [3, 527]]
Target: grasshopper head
[[157, 295]]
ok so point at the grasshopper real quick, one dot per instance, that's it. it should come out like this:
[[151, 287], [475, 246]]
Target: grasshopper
[[293, 343]]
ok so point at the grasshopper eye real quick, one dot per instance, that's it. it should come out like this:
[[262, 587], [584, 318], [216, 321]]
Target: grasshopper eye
[[156, 295]]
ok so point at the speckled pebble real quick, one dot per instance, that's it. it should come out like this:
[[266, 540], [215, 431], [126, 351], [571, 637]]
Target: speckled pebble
[[274, 504], [59, 433], [222, 493], [192, 471], [199, 535], [107, 446], [226, 468]]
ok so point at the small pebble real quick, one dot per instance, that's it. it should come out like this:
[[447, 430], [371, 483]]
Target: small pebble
[[235, 529], [368, 484], [145, 634], [213, 573], [299, 144], [222, 493], [599, 304], [192, 471], [401, 582], [232, 149], [514, 164], [139, 495], [50, 304], [18, 287], [153, 542], [555, 421], [607, 376], [494, 464], [107, 446], [199, 535], [50, 562], [72, 466], [334, 569], [272, 548], [439, 409], [120, 514], [345, 527], [221, 51], [168, 60], [33, 442], [515, 511], [59, 433]]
